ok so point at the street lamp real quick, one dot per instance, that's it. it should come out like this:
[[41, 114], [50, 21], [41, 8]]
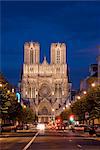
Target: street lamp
[[53, 114], [93, 84], [78, 97], [12, 90], [8, 91], [84, 92], [24, 106], [0, 84], [63, 108], [26, 93], [53, 110], [66, 106]]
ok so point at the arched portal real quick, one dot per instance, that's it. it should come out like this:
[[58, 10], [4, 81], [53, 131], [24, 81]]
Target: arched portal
[[44, 111]]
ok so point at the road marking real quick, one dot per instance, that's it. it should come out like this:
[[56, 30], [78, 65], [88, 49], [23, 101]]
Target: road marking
[[28, 145], [79, 146]]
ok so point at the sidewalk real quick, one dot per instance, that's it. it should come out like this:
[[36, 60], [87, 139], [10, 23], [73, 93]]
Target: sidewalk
[[18, 133]]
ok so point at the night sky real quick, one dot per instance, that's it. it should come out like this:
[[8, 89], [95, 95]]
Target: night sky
[[75, 23]]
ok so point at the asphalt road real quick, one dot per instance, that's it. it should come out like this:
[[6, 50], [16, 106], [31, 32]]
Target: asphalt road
[[49, 140]]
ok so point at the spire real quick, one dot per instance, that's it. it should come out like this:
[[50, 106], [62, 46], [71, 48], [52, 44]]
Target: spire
[[45, 60]]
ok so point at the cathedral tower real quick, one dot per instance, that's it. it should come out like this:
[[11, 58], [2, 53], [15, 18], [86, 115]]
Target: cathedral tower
[[58, 53], [31, 53]]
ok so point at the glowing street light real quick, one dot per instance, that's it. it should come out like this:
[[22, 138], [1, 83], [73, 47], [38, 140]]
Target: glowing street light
[[8, 91], [84, 92], [0, 84], [93, 84], [12, 90], [53, 110], [24, 106], [63, 108], [66, 106], [78, 97], [26, 92]]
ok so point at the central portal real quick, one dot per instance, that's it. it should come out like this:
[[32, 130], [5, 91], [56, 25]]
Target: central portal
[[44, 111]]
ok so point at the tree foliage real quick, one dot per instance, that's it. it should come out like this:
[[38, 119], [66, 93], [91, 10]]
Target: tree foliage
[[8, 104], [11, 109], [65, 114], [88, 103], [27, 115]]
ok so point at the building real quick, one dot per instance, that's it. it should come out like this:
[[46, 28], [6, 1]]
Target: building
[[98, 59], [45, 85], [92, 78]]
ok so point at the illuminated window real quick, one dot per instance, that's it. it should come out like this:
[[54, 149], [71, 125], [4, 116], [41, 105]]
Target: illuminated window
[[31, 57]]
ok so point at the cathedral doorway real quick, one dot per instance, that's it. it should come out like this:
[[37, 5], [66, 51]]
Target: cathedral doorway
[[44, 111]]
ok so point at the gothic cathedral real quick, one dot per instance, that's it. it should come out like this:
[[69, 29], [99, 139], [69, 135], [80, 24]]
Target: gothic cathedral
[[45, 85]]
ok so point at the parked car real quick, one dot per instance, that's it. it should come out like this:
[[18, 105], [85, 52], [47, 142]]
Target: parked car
[[20, 127], [92, 130], [87, 128], [8, 127], [97, 130], [80, 127]]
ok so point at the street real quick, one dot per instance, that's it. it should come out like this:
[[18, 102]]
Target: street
[[49, 140]]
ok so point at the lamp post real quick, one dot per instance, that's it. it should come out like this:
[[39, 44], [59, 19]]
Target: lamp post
[[53, 113]]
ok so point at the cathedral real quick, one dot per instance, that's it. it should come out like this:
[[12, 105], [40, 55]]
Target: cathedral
[[45, 85]]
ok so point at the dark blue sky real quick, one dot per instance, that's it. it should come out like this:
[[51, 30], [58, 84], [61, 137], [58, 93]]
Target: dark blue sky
[[75, 23]]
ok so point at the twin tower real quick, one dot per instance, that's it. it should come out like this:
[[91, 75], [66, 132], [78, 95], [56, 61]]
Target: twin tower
[[32, 53]]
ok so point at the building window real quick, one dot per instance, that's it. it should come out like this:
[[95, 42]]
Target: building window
[[58, 56], [31, 57]]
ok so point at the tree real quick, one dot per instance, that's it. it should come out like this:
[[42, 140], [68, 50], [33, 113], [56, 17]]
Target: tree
[[9, 106], [93, 102], [79, 109], [65, 114], [88, 103], [27, 115], [4, 101]]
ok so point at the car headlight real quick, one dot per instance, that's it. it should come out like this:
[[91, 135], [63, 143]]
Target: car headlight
[[41, 126]]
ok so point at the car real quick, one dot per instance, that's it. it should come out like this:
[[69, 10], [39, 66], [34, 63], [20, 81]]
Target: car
[[91, 129], [97, 130], [87, 128], [41, 126], [80, 127], [20, 127], [8, 127]]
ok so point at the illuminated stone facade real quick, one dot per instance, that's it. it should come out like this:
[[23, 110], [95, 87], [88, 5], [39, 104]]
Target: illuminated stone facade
[[45, 85]]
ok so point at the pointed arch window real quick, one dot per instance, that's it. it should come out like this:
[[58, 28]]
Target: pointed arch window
[[58, 56], [31, 56]]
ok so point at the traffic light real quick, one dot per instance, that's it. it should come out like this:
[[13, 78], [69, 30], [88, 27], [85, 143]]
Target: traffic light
[[71, 118]]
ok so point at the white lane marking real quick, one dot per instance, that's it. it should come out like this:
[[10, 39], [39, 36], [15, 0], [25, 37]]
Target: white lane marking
[[79, 146], [27, 146]]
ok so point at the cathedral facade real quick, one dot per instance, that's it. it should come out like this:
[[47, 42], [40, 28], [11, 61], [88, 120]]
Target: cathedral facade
[[45, 84]]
